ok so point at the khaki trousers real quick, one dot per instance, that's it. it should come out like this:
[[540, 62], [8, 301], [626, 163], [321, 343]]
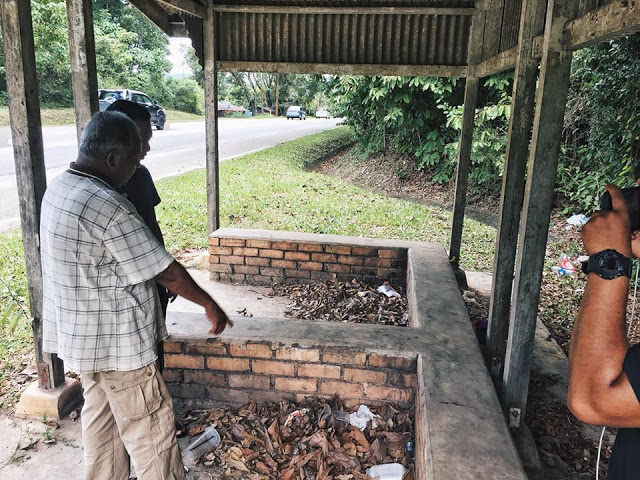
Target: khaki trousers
[[129, 414]]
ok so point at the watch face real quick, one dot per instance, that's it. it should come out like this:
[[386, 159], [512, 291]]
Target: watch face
[[609, 262]]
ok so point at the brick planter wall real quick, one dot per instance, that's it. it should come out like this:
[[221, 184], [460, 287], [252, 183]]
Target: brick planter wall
[[210, 372], [264, 257]]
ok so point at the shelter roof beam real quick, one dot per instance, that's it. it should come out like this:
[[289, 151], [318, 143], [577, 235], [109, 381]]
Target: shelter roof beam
[[154, 12], [610, 21], [342, 11], [186, 6]]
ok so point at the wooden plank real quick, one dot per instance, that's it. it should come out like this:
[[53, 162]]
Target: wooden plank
[[615, 19], [492, 29], [211, 121], [513, 181], [498, 63], [343, 68], [186, 6], [154, 12], [553, 85], [344, 10], [26, 133], [82, 49]]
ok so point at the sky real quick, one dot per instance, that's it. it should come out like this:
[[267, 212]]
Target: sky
[[177, 50]]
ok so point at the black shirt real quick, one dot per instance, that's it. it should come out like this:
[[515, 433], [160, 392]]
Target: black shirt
[[624, 463], [141, 191]]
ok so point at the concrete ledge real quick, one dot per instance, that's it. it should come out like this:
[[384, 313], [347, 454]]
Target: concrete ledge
[[55, 403]]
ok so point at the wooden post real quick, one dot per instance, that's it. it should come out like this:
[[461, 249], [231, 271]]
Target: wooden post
[[545, 146], [82, 48], [466, 134], [211, 121], [513, 180], [26, 133]]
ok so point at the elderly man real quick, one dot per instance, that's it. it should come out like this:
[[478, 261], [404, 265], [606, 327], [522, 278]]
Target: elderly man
[[101, 311]]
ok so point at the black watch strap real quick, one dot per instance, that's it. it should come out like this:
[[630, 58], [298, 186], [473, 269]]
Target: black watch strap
[[608, 264]]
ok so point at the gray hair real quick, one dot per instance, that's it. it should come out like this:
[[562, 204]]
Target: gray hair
[[107, 131]]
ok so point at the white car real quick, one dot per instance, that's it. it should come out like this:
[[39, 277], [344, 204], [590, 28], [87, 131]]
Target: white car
[[322, 113]]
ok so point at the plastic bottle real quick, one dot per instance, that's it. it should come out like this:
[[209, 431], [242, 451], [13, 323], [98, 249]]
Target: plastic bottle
[[206, 442], [388, 471]]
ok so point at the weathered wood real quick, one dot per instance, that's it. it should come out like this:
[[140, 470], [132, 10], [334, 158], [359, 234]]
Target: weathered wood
[[343, 10], [211, 121], [26, 133], [186, 6], [553, 86], [492, 29], [498, 63], [513, 181], [615, 19], [466, 135], [343, 68], [82, 49], [155, 13]]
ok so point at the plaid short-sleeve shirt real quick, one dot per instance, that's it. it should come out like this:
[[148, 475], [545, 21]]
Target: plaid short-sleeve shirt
[[101, 309]]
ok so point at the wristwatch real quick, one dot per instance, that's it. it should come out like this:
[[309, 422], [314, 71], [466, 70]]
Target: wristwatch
[[608, 264]]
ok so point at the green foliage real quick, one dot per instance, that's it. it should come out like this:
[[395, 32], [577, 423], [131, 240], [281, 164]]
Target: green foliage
[[184, 94]]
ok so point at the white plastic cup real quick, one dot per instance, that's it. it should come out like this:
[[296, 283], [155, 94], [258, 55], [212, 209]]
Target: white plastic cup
[[202, 445], [388, 471]]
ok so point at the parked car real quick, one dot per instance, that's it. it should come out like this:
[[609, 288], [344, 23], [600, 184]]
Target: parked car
[[322, 113], [296, 112], [106, 96]]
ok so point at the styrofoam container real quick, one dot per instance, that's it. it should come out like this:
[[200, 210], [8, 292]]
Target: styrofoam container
[[388, 471]]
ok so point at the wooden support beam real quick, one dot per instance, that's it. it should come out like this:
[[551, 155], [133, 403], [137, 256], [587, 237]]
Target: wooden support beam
[[300, 10], [187, 6], [82, 49], [615, 19], [466, 134], [211, 121], [155, 13], [498, 63], [513, 181], [26, 133], [553, 85], [343, 69]]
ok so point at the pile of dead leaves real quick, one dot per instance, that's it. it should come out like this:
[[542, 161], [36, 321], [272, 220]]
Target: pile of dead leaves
[[305, 441], [353, 302]]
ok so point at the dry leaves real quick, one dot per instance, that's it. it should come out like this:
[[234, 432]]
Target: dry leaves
[[292, 441]]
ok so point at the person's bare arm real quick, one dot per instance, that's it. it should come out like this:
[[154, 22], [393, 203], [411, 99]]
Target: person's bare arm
[[599, 391], [176, 279]]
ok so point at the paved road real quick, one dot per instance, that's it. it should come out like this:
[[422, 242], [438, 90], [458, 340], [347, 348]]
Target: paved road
[[177, 149]]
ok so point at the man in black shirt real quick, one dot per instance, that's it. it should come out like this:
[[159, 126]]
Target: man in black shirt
[[604, 373]]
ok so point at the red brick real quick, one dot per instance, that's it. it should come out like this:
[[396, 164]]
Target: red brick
[[214, 241], [249, 381], [170, 375], [284, 245], [397, 379], [389, 394], [270, 272], [214, 258], [283, 263], [321, 276], [319, 371], [215, 276], [246, 269], [356, 270], [377, 262], [172, 347], [268, 367], [261, 262], [386, 361], [270, 253], [232, 259], [259, 243], [296, 256], [344, 358], [365, 376], [220, 267], [236, 277], [314, 266], [220, 250], [324, 257], [184, 361], [310, 247], [349, 260], [365, 251], [391, 272], [204, 377], [296, 273], [391, 253], [296, 384], [246, 252], [337, 268], [257, 350], [208, 348], [228, 364], [298, 354], [342, 388], [232, 242], [341, 249], [260, 280]]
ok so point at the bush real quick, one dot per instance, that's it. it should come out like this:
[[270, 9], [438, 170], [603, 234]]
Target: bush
[[184, 94]]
